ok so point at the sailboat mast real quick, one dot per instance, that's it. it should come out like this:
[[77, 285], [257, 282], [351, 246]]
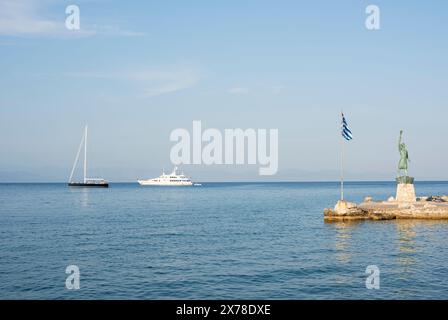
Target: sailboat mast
[[85, 155]]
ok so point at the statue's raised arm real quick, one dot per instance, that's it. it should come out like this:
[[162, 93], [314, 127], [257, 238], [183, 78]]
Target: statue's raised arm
[[399, 140]]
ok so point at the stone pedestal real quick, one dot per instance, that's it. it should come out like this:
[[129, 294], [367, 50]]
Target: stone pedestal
[[405, 189]]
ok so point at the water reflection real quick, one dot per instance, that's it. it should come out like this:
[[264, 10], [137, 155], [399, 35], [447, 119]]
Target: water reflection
[[411, 239], [342, 244], [83, 194], [406, 246], [84, 197], [343, 239], [409, 249]]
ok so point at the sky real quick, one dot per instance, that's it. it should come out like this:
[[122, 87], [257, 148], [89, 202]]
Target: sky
[[135, 71]]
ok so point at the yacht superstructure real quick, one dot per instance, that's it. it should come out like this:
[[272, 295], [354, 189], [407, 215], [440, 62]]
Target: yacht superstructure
[[172, 179]]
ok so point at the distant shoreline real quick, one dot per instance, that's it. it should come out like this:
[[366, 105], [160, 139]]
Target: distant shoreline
[[253, 182]]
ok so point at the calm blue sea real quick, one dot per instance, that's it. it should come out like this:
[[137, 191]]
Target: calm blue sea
[[216, 241]]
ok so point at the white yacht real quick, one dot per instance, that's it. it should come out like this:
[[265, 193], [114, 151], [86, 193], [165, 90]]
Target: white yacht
[[172, 179]]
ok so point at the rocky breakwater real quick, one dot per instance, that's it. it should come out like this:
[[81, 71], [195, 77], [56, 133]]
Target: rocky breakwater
[[434, 207]]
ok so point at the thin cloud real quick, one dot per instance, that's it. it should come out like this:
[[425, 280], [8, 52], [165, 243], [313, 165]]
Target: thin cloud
[[238, 90], [20, 17], [278, 89], [25, 18], [153, 82], [158, 83], [107, 30]]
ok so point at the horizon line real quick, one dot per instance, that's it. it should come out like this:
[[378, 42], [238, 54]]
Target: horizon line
[[251, 181]]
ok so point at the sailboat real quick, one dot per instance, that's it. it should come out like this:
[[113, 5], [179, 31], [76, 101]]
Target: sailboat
[[87, 182]]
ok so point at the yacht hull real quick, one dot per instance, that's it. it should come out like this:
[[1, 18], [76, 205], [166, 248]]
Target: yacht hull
[[88, 185], [162, 184]]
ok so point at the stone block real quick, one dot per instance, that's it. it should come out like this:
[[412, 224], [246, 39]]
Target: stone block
[[405, 192]]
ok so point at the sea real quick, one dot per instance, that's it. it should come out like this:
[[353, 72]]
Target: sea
[[214, 241]]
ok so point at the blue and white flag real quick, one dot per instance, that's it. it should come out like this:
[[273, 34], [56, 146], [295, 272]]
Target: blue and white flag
[[346, 133]]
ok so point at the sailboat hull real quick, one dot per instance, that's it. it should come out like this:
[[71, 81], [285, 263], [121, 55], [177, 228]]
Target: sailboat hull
[[88, 185]]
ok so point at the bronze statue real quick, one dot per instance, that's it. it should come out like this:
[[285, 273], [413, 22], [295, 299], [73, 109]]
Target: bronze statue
[[404, 157]]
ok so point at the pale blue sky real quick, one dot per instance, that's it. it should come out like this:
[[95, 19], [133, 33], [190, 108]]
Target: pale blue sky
[[137, 71]]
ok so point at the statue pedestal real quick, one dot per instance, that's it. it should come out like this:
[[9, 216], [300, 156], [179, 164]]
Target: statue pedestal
[[405, 189]]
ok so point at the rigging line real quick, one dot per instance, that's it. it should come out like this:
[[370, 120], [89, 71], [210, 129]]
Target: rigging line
[[76, 159]]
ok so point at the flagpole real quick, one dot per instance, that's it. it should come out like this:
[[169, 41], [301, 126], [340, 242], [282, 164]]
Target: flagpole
[[342, 164]]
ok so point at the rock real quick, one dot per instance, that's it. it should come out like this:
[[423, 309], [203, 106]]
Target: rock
[[436, 199], [435, 208], [344, 207], [404, 205], [391, 199], [345, 210], [368, 199]]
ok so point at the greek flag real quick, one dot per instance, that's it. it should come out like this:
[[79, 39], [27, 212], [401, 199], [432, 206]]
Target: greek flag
[[346, 133]]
